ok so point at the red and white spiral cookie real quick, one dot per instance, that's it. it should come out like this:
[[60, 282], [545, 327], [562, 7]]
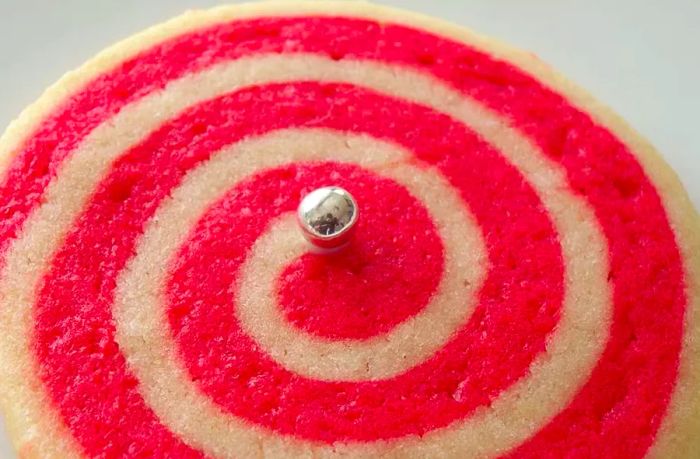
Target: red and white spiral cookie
[[523, 281]]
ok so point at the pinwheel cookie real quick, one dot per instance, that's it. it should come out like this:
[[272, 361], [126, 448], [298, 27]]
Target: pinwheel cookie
[[522, 280]]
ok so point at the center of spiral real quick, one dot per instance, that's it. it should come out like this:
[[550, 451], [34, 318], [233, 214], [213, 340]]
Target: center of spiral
[[380, 278]]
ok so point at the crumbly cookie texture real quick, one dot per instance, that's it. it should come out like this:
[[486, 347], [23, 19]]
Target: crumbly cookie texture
[[523, 281]]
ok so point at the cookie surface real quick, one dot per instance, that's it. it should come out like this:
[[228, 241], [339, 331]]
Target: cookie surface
[[533, 291]]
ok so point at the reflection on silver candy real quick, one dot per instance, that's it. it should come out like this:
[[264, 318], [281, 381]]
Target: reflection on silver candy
[[327, 216]]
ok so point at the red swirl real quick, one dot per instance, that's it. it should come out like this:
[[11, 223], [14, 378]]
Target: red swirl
[[518, 305], [617, 412], [219, 356]]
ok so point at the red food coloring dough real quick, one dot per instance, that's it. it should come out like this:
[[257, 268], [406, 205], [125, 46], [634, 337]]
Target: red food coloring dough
[[219, 356], [615, 414]]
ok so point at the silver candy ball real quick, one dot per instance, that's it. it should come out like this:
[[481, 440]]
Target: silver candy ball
[[327, 216]]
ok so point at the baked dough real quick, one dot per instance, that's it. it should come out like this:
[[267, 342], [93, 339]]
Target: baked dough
[[523, 281]]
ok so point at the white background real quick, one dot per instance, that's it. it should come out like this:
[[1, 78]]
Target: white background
[[642, 57]]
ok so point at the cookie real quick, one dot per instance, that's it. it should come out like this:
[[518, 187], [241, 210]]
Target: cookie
[[522, 280]]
